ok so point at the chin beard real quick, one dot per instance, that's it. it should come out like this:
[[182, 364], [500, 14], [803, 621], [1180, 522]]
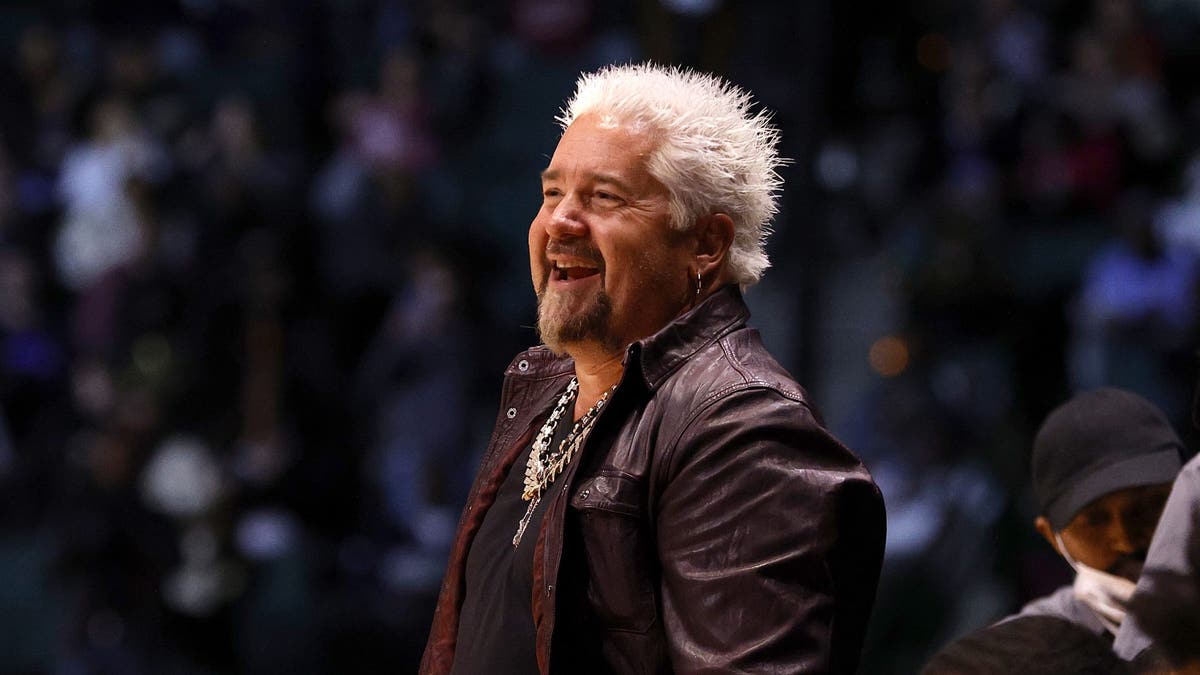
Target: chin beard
[[560, 324]]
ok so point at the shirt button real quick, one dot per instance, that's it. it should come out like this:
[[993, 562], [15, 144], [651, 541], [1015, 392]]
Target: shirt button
[[523, 365], [512, 412], [549, 590]]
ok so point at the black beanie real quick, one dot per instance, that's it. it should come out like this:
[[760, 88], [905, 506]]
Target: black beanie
[[1099, 442]]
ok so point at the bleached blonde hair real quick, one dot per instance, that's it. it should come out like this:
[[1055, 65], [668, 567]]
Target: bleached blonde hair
[[716, 155]]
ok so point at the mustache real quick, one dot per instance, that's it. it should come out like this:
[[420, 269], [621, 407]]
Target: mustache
[[575, 250]]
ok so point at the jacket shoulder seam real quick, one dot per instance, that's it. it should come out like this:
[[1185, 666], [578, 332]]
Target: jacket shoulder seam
[[724, 392], [751, 379]]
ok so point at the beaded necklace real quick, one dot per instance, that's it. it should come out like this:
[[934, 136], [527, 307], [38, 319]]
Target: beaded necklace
[[545, 464]]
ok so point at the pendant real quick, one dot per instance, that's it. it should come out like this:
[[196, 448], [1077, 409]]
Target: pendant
[[516, 541]]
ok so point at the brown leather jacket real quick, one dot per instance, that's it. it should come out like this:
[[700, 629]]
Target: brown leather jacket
[[711, 524]]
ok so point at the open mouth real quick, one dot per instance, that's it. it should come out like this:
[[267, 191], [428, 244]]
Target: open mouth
[[573, 271]]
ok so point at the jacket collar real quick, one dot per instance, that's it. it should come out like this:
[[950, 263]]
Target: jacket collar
[[662, 353], [659, 355]]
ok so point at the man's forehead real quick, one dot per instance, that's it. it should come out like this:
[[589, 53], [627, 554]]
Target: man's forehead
[[1131, 496], [629, 134]]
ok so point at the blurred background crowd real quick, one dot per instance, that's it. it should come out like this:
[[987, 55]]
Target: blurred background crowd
[[262, 263]]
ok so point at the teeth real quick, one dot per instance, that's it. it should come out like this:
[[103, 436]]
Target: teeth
[[571, 265]]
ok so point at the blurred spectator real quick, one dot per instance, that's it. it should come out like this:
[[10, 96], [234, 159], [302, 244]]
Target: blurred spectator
[[100, 231], [111, 555], [33, 365], [1177, 223], [368, 197], [414, 374], [1018, 42], [457, 79], [389, 131], [1137, 309]]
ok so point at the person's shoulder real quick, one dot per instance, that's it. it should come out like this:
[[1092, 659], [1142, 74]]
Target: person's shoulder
[[739, 364], [734, 397], [1054, 604], [1028, 644], [1062, 604]]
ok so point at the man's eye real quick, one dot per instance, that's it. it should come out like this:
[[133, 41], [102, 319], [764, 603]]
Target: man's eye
[[551, 192], [607, 196], [1146, 513]]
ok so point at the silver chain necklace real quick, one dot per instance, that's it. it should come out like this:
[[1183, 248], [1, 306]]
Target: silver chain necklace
[[545, 464]]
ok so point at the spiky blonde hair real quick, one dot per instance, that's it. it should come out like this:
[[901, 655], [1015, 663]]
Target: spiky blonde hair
[[716, 155]]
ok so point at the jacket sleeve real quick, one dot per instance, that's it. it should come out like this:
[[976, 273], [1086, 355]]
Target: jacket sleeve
[[1170, 548], [770, 534]]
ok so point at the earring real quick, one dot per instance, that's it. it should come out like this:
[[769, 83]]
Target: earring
[[699, 284]]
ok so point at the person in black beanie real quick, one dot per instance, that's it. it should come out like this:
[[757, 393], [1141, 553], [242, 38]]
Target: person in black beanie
[[1103, 464]]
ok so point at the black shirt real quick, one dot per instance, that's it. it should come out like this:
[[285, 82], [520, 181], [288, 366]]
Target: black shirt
[[495, 630]]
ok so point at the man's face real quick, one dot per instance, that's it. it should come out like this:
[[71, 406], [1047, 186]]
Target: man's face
[[1113, 533], [607, 267]]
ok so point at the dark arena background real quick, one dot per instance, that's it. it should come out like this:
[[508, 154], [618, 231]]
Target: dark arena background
[[263, 262]]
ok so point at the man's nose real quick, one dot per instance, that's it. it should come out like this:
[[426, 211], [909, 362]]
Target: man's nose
[[566, 220], [1123, 542]]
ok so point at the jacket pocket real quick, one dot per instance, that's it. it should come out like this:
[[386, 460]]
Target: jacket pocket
[[621, 575]]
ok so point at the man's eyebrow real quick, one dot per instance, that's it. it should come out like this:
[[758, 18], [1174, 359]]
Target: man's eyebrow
[[606, 178]]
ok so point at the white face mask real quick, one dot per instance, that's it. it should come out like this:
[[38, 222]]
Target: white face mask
[[1106, 594]]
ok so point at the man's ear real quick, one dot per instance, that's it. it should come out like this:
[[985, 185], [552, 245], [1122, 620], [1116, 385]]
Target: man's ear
[[1043, 527], [714, 237]]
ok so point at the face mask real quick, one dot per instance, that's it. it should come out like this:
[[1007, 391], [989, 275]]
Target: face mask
[[1106, 594]]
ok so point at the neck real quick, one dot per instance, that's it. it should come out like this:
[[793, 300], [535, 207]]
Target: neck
[[597, 372]]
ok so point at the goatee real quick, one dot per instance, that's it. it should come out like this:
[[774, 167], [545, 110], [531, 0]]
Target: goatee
[[561, 324]]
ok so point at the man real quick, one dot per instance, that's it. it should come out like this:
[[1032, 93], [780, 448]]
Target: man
[[658, 495], [1103, 463]]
